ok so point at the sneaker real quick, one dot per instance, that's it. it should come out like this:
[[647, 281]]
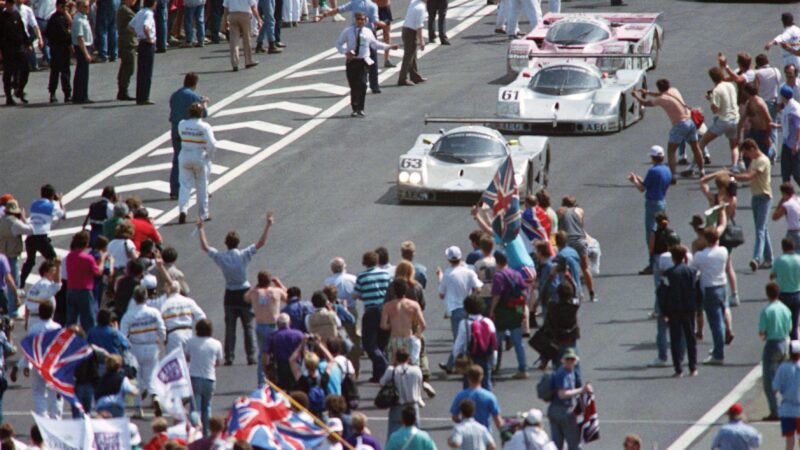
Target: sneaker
[[648, 270], [182, 218], [766, 265], [753, 265], [499, 31], [677, 375], [429, 390], [683, 161], [658, 362], [522, 375], [733, 299], [446, 369], [711, 361], [339, 18], [354, 114], [693, 373]]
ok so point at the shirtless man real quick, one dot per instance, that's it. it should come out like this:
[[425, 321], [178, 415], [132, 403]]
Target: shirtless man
[[267, 297], [757, 115], [399, 316], [385, 16]]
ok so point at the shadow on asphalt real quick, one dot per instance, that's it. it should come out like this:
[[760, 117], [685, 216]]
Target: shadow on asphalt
[[616, 275], [212, 72], [624, 321], [623, 368]]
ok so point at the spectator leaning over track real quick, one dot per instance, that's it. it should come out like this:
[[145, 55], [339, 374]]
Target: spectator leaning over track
[[790, 131], [787, 383], [710, 262], [774, 325], [654, 185], [677, 298], [736, 434], [786, 272], [759, 175], [683, 127], [724, 105], [233, 264], [468, 434]]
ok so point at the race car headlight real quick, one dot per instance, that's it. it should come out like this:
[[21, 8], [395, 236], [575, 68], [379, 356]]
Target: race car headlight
[[415, 178], [602, 109], [403, 177], [518, 179]]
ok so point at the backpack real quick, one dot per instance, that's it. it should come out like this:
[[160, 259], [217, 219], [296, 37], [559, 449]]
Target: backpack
[[516, 295], [483, 340], [349, 389], [317, 391], [544, 388], [98, 210]]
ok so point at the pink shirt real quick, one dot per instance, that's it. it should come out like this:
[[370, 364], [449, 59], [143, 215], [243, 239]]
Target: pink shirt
[[81, 270], [672, 102]]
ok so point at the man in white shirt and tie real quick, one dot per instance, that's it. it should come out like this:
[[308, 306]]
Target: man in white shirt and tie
[[355, 43]]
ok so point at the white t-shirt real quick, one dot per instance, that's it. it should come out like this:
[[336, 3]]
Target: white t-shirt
[[345, 365], [458, 282], [711, 264], [415, 15], [204, 353], [43, 291], [664, 261], [792, 209], [791, 36], [119, 249], [769, 80]]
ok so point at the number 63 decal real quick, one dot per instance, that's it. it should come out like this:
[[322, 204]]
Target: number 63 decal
[[509, 95], [411, 163]]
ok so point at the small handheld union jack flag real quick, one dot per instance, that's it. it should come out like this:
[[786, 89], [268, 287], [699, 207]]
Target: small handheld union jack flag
[[502, 198], [54, 355]]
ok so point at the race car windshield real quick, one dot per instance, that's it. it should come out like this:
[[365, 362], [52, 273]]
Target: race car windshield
[[467, 148], [575, 33], [564, 81]]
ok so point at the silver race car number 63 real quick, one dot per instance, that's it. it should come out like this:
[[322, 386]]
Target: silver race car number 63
[[411, 163]]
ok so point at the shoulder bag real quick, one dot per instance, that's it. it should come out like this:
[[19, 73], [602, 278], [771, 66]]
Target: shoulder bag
[[387, 395], [733, 236], [695, 113]]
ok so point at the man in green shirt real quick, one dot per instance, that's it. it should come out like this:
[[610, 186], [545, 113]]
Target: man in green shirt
[[409, 436], [774, 325], [786, 271], [126, 43]]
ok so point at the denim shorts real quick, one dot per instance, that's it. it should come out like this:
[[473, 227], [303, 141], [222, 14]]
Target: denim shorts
[[729, 128], [790, 426], [683, 131]]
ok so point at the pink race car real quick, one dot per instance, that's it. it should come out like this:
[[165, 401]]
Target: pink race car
[[611, 41]]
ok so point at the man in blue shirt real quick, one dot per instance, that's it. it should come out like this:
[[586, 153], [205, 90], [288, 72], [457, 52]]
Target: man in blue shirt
[[736, 435], [179, 103], [486, 404], [563, 423], [654, 185], [787, 383], [297, 308], [233, 263]]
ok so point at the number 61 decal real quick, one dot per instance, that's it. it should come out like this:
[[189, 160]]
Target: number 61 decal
[[411, 163], [509, 95]]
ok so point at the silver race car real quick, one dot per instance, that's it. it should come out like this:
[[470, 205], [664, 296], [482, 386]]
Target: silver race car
[[565, 97], [457, 166]]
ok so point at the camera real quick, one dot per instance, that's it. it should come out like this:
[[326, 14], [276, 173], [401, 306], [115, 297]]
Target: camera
[[311, 337]]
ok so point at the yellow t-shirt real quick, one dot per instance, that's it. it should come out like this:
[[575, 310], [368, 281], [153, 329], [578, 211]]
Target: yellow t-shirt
[[724, 98], [760, 183]]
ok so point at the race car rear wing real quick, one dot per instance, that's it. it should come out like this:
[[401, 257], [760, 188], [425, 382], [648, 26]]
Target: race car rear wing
[[518, 125], [556, 55]]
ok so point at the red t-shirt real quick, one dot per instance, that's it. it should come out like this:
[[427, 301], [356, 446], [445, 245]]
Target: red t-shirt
[[81, 270], [144, 229], [157, 442]]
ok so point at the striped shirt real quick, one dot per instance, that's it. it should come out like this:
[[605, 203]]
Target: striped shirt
[[142, 325], [371, 286]]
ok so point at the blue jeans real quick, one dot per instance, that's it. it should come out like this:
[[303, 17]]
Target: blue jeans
[[190, 15], [46, 49], [792, 301], [714, 306], [651, 208], [563, 427], [790, 165], [266, 8], [762, 249], [80, 307], [11, 294], [773, 355], [370, 327], [203, 389], [161, 24], [662, 335], [455, 320], [106, 29], [519, 349], [772, 107], [215, 20], [263, 332], [486, 365]]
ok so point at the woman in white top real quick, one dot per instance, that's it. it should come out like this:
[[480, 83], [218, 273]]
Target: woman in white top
[[203, 354], [789, 207], [121, 248]]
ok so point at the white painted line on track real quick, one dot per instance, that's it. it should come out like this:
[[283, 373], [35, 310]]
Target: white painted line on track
[[237, 147], [311, 124], [315, 72], [327, 88], [162, 151], [155, 185], [698, 428], [215, 169], [287, 106], [259, 125]]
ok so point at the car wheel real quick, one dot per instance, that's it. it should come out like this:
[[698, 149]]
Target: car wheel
[[655, 53]]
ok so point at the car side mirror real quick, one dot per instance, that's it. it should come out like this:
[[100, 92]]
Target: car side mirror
[[426, 141], [513, 142]]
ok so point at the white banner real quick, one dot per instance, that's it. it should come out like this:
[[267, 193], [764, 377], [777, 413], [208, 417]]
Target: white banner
[[171, 382], [80, 434]]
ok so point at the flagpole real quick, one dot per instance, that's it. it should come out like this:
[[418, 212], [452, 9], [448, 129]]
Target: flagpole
[[316, 419]]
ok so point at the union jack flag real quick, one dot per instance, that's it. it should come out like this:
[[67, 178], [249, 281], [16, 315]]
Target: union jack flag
[[264, 419], [533, 229], [502, 197], [55, 354]]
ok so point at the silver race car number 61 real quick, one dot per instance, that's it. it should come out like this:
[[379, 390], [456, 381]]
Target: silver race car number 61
[[411, 163], [509, 95]]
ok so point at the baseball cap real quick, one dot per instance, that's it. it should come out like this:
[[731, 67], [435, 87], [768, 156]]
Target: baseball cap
[[787, 92], [794, 347], [736, 409], [12, 207], [149, 282], [5, 198], [569, 354], [453, 253], [533, 417], [657, 151], [335, 425]]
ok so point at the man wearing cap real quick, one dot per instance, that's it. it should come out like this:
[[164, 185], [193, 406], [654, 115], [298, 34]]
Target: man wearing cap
[[469, 434], [790, 131], [563, 423], [736, 434], [654, 185], [370, 288], [455, 284], [787, 383], [774, 324], [531, 436]]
